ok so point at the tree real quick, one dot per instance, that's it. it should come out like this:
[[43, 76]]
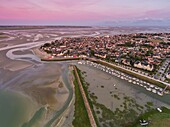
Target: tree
[[47, 45], [91, 52]]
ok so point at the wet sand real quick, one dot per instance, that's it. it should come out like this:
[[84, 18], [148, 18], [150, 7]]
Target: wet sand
[[114, 99], [15, 108], [68, 116], [22, 52], [12, 65], [41, 82], [17, 65], [3, 45], [104, 86], [39, 53]]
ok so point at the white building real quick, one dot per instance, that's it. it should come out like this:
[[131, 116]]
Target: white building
[[144, 66]]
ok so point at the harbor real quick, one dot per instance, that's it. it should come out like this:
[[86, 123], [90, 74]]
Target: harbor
[[135, 81]]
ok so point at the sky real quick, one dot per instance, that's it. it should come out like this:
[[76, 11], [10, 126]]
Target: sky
[[81, 12]]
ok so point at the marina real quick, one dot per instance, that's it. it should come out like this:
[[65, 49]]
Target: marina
[[148, 86]]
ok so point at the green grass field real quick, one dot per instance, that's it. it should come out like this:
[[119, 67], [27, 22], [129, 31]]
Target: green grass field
[[85, 87]]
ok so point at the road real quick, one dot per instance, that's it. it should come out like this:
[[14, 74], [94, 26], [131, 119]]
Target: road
[[166, 84], [161, 74], [97, 60]]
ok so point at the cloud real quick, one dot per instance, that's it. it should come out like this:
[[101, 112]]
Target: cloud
[[75, 3], [158, 13], [79, 10], [64, 5]]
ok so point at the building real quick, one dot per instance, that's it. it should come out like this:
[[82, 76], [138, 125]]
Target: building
[[168, 75], [143, 65]]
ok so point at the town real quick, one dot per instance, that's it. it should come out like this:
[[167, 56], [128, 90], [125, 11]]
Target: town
[[147, 53]]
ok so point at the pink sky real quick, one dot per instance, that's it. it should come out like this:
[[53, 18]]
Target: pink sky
[[71, 11]]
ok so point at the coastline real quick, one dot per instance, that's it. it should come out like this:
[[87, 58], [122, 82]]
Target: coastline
[[43, 88], [47, 57], [107, 64], [40, 54]]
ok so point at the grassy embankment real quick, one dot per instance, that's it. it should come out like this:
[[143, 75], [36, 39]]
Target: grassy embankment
[[85, 87], [81, 118]]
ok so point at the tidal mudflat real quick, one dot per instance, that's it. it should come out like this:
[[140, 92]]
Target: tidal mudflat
[[15, 108], [117, 102], [39, 88], [42, 85], [43, 89]]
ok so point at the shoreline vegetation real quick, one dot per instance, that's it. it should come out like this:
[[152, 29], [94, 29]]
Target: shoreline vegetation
[[151, 115], [103, 115], [84, 84], [80, 113]]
